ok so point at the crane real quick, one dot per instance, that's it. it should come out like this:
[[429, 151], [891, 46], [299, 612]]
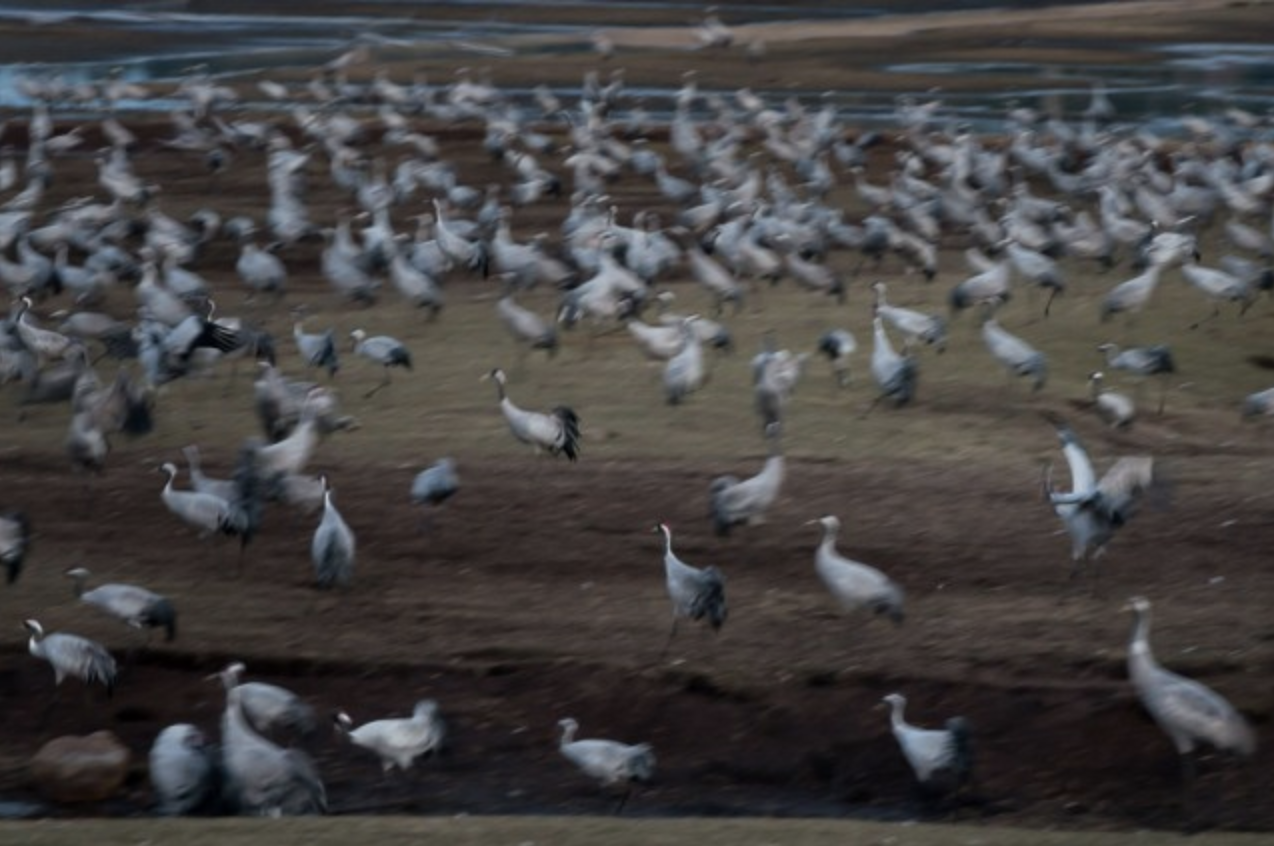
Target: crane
[[183, 770], [398, 742], [735, 501], [15, 540], [696, 594], [917, 326], [1093, 510], [132, 605], [382, 349], [895, 374], [556, 433], [526, 326], [318, 349], [1154, 360], [941, 759], [332, 549], [263, 778], [1018, 357], [435, 484], [1115, 408], [685, 371], [1190, 713], [72, 655], [855, 585], [268, 707], [838, 345], [609, 761]]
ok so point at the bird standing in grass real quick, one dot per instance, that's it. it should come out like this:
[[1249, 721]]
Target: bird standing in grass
[[332, 549], [696, 593], [556, 433], [382, 349], [941, 759], [15, 540], [1190, 713], [609, 761]]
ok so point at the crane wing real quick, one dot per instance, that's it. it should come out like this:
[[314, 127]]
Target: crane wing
[[1194, 709]]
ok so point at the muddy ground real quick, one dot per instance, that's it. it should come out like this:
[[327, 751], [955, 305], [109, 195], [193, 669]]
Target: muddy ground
[[537, 593]]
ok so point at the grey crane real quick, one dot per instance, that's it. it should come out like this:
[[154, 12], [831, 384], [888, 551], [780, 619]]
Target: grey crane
[[435, 484], [737, 501], [15, 541], [222, 488], [333, 547], [697, 594], [209, 514], [1018, 357], [1218, 286], [895, 374], [942, 759], [1131, 295], [1190, 713], [399, 741], [132, 605], [1093, 510], [318, 349], [183, 771], [685, 372], [556, 433], [382, 349], [1258, 403], [919, 327], [1118, 410], [838, 345], [263, 778], [72, 655], [261, 270], [854, 585], [268, 707], [1154, 360], [609, 761], [526, 327]]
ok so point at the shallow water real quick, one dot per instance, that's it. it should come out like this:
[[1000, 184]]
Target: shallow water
[[158, 42]]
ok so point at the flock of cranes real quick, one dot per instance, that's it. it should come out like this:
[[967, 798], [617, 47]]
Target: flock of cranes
[[738, 228]]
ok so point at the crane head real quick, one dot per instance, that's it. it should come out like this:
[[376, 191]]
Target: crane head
[[169, 468], [1138, 605], [33, 627], [77, 573], [894, 700]]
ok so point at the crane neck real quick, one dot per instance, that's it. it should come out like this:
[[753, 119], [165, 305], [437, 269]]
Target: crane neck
[[896, 718], [568, 733], [1139, 643], [667, 533]]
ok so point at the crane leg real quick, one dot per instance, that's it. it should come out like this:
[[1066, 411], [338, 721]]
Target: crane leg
[[623, 800], [668, 644], [383, 383], [1163, 392]]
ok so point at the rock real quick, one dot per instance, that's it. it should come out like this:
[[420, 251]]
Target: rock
[[80, 769]]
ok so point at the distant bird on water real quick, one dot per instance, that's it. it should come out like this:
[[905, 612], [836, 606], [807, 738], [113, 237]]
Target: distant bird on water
[[696, 594], [556, 433], [1188, 712], [382, 349]]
